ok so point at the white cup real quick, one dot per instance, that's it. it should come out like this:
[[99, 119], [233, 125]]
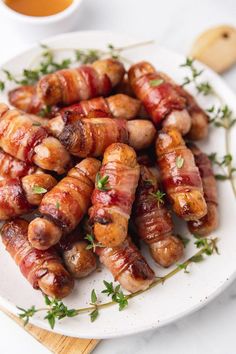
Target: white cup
[[45, 25]]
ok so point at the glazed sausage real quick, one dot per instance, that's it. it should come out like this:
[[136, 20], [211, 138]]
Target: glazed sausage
[[13, 168], [180, 176], [72, 85], [153, 221], [64, 206], [19, 196], [114, 106], [210, 221], [127, 266], [79, 261], [24, 138], [43, 269], [160, 97], [25, 99], [112, 203], [90, 137]]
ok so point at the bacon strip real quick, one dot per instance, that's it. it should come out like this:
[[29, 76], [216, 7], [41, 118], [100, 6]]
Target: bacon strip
[[13, 168], [153, 221], [65, 205], [112, 206], [18, 196], [43, 269], [160, 96], [127, 265], [72, 85], [180, 176], [24, 137], [210, 221]]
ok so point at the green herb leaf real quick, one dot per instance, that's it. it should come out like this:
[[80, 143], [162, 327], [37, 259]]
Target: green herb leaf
[[27, 313], [94, 315], [101, 182], [57, 205], [36, 124], [179, 161], [116, 294], [197, 259], [159, 196], [93, 297], [156, 82], [183, 266], [2, 85], [39, 190], [92, 244], [220, 177]]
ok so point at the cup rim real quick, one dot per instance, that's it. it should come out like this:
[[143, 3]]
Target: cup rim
[[41, 19]]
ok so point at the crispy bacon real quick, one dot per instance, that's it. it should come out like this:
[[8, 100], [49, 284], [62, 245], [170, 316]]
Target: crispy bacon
[[180, 176], [25, 99], [160, 96], [13, 168], [153, 221], [210, 221], [112, 205], [43, 269], [24, 137], [65, 205], [72, 85], [18, 196], [127, 265]]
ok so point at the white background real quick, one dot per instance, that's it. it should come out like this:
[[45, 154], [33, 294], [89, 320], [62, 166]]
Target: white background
[[173, 24]]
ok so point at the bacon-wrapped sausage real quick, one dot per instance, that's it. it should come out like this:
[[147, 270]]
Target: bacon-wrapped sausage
[[79, 260], [160, 97], [23, 137], [65, 205], [210, 221], [112, 200], [72, 85], [43, 269], [180, 176], [19, 196], [13, 168], [114, 106], [25, 99], [153, 221], [90, 137], [127, 266]]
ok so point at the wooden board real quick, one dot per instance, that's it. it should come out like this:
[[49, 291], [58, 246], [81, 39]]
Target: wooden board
[[57, 343]]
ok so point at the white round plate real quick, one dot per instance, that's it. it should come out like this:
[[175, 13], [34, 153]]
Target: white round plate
[[182, 294]]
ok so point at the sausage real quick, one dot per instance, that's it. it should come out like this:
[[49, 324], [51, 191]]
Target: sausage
[[19, 196], [127, 266], [78, 260], [90, 137], [200, 120], [64, 206], [114, 106], [180, 176], [13, 168], [72, 85], [210, 221], [43, 269], [25, 99], [153, 221], [160, 97], [24, 137], [111, 204]]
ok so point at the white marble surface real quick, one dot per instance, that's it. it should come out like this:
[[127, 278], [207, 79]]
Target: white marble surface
[[173, 24]]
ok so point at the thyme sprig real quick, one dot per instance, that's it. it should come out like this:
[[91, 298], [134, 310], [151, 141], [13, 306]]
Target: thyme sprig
[[221, 117], [223, 163], [203, 87], [159, 196], [92, 244], [101, 182], [56, 309], [49, 64]]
